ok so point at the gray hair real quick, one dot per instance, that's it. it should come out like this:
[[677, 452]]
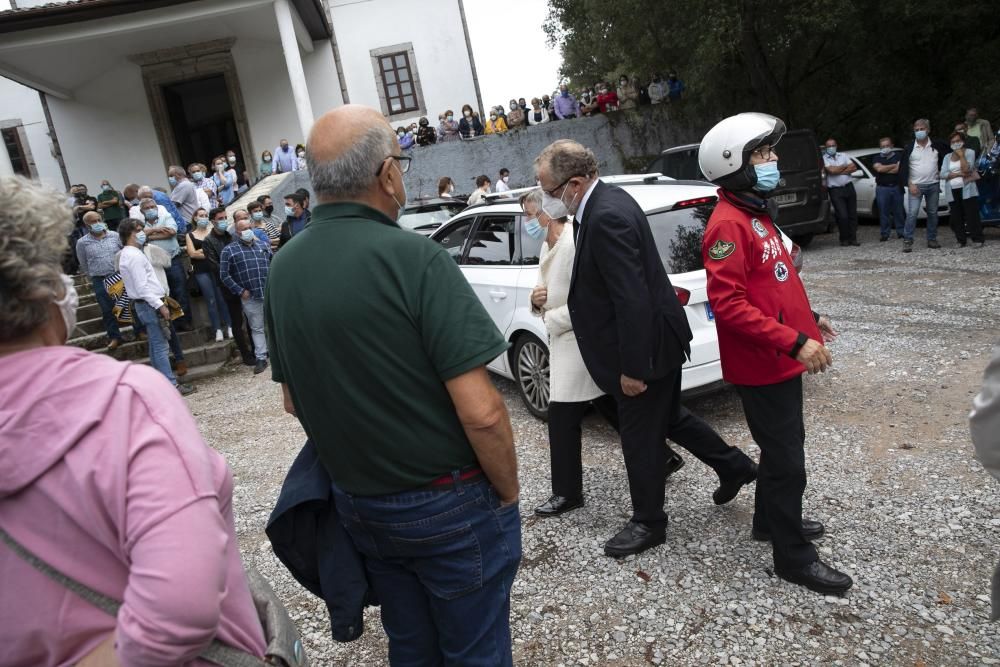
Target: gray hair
[[145, 192], [35, 222], [565, 159], [147, 200], [922, 121], [533, 196], [176, 171], [352, 173]]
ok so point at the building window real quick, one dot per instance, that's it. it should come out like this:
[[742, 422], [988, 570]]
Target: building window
[[15, 149], [397, 81]]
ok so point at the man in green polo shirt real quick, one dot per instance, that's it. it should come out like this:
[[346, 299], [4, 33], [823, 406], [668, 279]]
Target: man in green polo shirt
[[109, 202], [380, 346]]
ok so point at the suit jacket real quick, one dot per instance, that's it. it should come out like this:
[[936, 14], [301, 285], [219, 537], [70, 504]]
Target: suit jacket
[[626, 315]]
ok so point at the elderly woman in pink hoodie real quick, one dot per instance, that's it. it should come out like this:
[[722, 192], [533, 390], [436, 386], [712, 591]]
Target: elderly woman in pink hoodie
[[104, 476]]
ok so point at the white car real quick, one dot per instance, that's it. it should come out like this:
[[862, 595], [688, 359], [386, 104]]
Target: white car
[[500, 261], [864, 185]]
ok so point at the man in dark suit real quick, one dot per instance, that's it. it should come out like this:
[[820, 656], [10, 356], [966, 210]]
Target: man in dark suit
[[633, 336]]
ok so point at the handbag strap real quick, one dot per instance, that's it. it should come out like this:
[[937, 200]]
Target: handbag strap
[[217, 652]]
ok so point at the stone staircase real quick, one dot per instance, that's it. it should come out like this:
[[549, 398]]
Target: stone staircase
[[204, 356]]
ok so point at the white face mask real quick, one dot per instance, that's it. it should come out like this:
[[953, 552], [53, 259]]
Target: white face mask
[[556, 208], [68, 305], [401, 205]]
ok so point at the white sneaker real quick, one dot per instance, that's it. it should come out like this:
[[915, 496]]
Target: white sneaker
[[229, 332], [218, 335]]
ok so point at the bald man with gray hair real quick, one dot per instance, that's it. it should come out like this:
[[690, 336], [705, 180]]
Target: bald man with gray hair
[[381, 346]]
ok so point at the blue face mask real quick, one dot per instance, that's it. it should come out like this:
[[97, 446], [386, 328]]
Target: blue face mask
[[886, 152], [257, 215], [222, 225], [106, 188], [172, 181], [289, 211], [151, 214], [247, 235], [197, 176], [141, 238], [534, 229], [920, 135], [831, 150], [98, 228], [202, 222], [767, 176]]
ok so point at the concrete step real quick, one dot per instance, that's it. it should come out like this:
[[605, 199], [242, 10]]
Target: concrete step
[[88, 311], [138, 349]]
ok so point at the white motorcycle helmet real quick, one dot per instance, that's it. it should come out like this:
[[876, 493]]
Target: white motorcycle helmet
[[724, 156]]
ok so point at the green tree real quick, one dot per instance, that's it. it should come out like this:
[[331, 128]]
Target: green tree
[[854, 69]]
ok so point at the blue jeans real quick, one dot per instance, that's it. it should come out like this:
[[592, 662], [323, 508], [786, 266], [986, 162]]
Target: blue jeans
[[930, 193], [105, 303], [253, 308], [890, 209], [158, 356], [212, 293], [177, 280], [442, 563]]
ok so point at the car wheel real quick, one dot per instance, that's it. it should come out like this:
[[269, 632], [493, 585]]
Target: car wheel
[[804, 240], [531, 371]]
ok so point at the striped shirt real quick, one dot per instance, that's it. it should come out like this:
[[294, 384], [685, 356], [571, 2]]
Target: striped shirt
[[244, 267], [97, 255]]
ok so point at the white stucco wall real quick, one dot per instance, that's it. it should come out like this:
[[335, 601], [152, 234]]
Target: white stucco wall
[[267, 94], [109, 137], [321, 73], [21, 104], [442, 59]]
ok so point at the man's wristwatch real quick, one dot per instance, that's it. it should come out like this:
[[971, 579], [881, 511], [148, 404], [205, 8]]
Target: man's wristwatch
[[799, 343]]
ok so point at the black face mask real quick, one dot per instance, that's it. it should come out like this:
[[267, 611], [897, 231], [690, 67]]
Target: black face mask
[[269, 210]]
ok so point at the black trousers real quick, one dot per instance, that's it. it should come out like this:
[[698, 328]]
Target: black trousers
[[645, 422], [965, 221], [774, 414], [845, 210], [243, 342]]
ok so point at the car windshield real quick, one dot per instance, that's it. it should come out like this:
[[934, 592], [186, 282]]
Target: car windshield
[[424, 219], [678, 235]]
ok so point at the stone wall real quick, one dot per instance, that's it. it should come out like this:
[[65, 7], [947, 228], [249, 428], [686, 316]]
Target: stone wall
[[624, 142]]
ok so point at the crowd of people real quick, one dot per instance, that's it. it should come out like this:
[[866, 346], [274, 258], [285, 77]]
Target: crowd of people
[[408, 485], [916, 173], [169, 244], [562, 104]]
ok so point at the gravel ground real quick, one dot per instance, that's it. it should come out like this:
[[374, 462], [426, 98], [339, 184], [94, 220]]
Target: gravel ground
[[909, 513]]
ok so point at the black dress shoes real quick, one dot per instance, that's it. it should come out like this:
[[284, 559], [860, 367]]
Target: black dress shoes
[[674, 463], [811, 530], [557, 505], [728, 490], [634, 538], [818, 576]]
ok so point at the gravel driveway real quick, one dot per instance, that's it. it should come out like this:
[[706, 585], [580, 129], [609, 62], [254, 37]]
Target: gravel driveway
[[909, 513]]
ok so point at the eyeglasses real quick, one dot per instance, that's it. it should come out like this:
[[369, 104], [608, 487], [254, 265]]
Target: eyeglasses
[[560, 186], [404, 163], [765, 152]]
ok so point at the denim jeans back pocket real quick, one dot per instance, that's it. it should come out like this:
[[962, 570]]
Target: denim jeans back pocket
[[449, 563]]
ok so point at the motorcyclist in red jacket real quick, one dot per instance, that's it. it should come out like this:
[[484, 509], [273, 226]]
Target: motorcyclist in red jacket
[[768, 336]]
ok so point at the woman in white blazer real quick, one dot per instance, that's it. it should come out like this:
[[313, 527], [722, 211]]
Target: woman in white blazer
[[571, 389], [537, 113]]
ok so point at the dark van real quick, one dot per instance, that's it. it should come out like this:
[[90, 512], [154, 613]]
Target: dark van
[[801, 198]]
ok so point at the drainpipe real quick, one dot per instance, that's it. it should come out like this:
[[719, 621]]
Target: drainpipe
[[56, 150], [472, 59], [344, 95]]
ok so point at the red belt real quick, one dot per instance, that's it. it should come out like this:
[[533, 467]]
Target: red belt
[[464, 475]]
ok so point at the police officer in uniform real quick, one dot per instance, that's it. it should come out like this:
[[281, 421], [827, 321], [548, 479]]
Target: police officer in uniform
[[768, 336]]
